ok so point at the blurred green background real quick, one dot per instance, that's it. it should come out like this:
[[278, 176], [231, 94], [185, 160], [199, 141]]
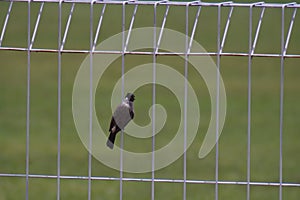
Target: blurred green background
[[74, 157]]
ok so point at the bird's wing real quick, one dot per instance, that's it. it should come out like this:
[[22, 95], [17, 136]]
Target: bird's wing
[[112, 124], [131, 114], [122, 115]]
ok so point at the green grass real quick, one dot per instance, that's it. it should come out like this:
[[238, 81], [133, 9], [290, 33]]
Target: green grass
[[74, 157]]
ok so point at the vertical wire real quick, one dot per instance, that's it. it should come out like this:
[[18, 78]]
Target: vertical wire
[[249, 103], [28, 102], [153, 101], [122, 91], [217, 102], [281, 101], [59, 102], [91, 103], [155, 51], [5, 22], [185, 97], [188, 49], [284, 46]]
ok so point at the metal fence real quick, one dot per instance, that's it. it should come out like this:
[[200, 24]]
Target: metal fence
[[287, 28]]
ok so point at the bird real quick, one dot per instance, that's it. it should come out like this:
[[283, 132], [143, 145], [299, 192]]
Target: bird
[[123, 114]]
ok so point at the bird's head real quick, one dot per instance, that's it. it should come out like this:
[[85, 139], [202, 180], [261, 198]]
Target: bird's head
[[130, 97]]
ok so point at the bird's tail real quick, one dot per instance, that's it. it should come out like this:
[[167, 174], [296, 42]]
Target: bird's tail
[[111, 140]]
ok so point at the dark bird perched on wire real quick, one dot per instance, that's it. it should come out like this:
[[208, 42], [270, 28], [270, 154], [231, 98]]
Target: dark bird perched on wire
[[121, 117]]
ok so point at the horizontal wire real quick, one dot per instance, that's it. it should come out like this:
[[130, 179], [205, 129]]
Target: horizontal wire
[[150, 52], [173, 3], [104, 178], [231, 4]]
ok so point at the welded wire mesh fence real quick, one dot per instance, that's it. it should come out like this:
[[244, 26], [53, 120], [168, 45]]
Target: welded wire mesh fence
[[251, 43]]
